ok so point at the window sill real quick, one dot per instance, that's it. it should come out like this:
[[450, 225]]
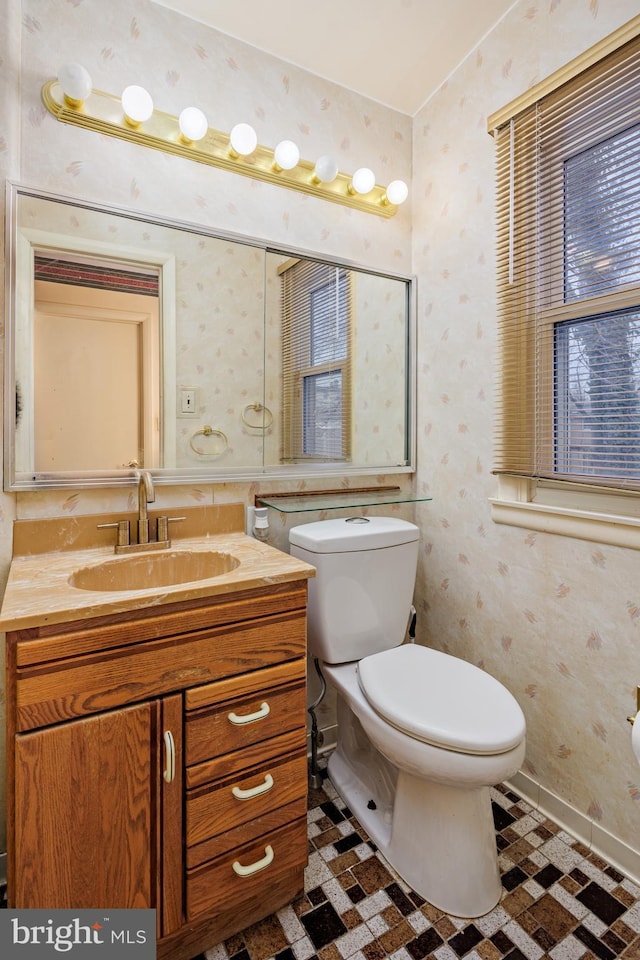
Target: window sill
[[605, 517]]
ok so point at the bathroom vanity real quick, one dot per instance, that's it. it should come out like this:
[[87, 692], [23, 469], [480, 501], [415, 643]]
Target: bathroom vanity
[[157, 736]]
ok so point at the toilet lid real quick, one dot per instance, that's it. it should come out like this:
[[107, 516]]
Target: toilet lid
[[441, 700]]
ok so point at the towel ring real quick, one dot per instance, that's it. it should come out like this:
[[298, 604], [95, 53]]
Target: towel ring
[[208, 431], [258, 408]]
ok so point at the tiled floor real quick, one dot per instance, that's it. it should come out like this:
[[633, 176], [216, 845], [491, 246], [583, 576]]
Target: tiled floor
[[559, 900]]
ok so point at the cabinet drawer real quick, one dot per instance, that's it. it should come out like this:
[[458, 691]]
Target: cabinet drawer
[[243, 797], [236, 763], [52, 642], [247, 872], [243, 721], [94, 683], [245, 833]]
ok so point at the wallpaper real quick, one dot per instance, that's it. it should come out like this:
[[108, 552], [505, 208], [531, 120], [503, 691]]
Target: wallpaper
[[181, 62], [555, 619]]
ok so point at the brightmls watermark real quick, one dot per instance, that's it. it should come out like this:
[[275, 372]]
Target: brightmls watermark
[[78, 934]]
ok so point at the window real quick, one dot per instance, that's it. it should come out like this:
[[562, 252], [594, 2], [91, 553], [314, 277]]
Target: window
[[568, 194], [317, 315], [597, 355]]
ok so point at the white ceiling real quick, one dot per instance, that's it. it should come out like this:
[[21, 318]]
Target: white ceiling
[[395, 51]]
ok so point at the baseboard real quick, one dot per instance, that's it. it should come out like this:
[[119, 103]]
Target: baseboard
[[600, 841]]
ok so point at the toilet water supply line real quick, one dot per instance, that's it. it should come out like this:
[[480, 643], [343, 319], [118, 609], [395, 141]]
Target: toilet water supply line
[[315, 779]]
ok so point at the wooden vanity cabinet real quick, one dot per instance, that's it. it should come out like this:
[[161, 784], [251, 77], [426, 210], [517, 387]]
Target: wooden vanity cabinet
[[86, 795], [157, 759]]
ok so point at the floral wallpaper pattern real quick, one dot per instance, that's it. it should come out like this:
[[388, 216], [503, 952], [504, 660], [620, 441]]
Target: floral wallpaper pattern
[[556, 619], [183, 62]]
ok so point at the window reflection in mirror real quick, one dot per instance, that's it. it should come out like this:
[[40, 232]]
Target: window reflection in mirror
[[248, 363], [346, 369], [316, 321]]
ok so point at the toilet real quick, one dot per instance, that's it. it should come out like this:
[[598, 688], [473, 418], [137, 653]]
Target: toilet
[[422, 735]]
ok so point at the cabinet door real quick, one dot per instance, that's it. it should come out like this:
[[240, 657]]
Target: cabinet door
[[87, 795]]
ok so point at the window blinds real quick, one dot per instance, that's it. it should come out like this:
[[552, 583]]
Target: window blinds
[[316, 362], [568, 252]]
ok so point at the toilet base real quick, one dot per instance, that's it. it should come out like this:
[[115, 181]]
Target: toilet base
[[434, 822], [458, 873]]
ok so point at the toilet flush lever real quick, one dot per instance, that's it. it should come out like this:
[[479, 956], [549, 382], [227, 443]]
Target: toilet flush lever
[[633, 717]]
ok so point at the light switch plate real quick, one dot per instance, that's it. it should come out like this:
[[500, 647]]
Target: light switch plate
[[187, 402]]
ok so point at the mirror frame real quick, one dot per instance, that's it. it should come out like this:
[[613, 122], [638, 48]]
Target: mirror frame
[[15, 308]]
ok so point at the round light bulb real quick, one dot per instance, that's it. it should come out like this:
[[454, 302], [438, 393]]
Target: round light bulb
[[286, 155], [193, 124], [397, 192], [75, 82], [326, 169], [363, 180], [137, 104], [243, 139]]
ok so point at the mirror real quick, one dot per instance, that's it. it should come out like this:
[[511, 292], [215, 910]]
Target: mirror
[[139, 342]]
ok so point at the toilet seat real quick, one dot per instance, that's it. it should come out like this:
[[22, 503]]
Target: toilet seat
[[441, 700]]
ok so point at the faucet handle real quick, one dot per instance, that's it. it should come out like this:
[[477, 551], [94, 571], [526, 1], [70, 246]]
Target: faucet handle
[[122, 527], [162, 533]]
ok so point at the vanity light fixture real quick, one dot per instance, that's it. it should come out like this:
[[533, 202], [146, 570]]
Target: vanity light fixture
[[243, 140], [396, 192], [363, 181], [325, 170], [286, 155], [193, 125], [71, 99], [75, 82], [137, 105]]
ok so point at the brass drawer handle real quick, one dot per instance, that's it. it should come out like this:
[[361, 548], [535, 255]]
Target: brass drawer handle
[[241, 794], [264, 711], [247, 871]]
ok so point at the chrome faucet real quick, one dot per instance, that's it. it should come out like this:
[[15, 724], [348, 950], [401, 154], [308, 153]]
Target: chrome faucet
[[146, 494]]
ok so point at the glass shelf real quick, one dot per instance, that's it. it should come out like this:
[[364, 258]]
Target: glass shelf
[[310, 503]]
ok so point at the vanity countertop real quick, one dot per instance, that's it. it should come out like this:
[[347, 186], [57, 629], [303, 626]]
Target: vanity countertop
[[39, 591]]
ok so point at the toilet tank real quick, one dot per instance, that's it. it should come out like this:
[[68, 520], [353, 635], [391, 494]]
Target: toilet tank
[[360, 599]]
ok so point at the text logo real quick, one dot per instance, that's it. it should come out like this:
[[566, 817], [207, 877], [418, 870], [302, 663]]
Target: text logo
[[78, 934]]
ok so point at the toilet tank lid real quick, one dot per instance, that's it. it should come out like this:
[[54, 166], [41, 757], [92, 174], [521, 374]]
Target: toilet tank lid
[[353, 533]]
